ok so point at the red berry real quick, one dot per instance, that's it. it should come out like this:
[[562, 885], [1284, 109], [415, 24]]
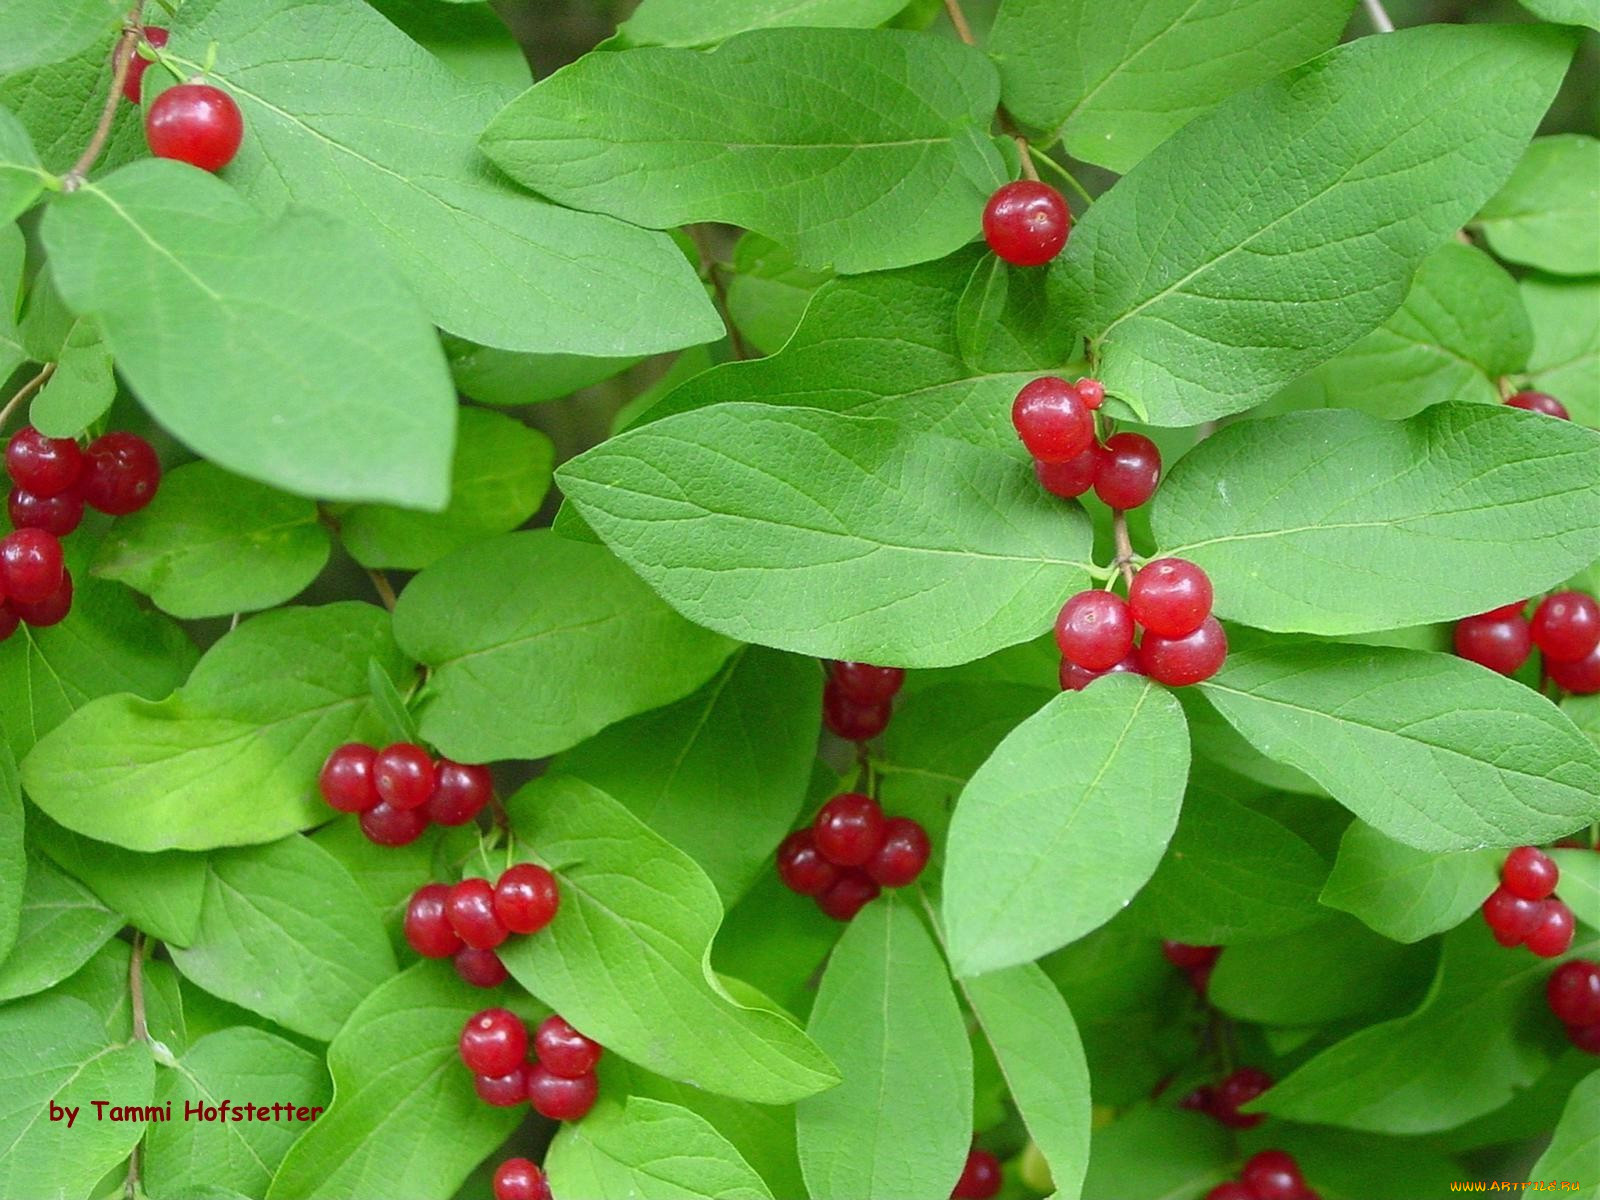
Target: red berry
[[480, 968], [8, 622], [1200, 978], [1510, 918], [459, 792], [851, 721], [503, 1091], [470, 907], [346, 778], [1237, 1090], [1566, 626], [387, 825], [1530, 873], [1052, 420], [1499, 643], [980, 1177], [493, 1042], [1069, 479], [427, 929], [902, 856], [1092, 391], [403, 774], [849, 829], [848, 895], [1094, 630], [563, 1051], [1514, 609], [1573, 991], [1202, 1099], [519, 1179], [1552, 936], [526, 897], [1126, 470], [52, 610], [42, 465], [1581, 678], [1026, 223], [59, 515], [560, 1098], [1170, 597], [863, 683], [1273, 1175], [195, 123], [1540, 402], [1186, 957], [1585, 1037], [123, 471], [802, 867], [1230, 1191], [1074, 678], [133, 83], [31, 565], [1179, 662]]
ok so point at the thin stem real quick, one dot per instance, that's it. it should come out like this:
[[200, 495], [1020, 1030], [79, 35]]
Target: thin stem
[[141, 1033], [26, 390], [385, 590], [710, 271], [1125, 556], [1380, 18], [1067, 177], [121, 60], [959, 20]]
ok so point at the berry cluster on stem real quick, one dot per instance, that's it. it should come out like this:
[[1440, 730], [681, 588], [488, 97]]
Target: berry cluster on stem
[[1196, 962], [1222, 1100], [193, 122], [851, 852], [1524, 910], [858, 699], [1170, 599], [402, 789], [466, 922], [1573, 993], [1269, 1175], [558, 1081], [1565, 629]]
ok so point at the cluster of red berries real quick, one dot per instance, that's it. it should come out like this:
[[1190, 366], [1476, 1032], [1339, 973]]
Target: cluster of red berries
[[859, 699], [400, 790], [1269, 1175], [1194, 961], [1223, 1100], [1573, 992], [1170, 599], [1056, 422], [851, 852], [1523, 910], [558, 1082], [980, 1177], [52, 479], [1565, 628], [192, 122], [467, 921], [520, 1179]]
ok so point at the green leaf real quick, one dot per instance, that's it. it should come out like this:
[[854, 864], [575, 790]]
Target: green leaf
[[1326, 187], [1566, 343], [286, 932], [1112, 84], [490, 617], [22, 177], [231, 757], [387, 874], [102, 984], [500, 473], [239, 1065], [720, 774], [1544, 216], [13, 857], [13, 255], [1431, 750], [404, 1120], [198, 297], [647, 1148], [59, 927], [1064, 824], [769, 291], [1157, 1154], [399, 724], [469, 38], [1404, 893], [211, 543], [649, 137], [1566, 12], [1351, 1166], [1573, 1155], [60, 105], [53, 1050], [1580, 883], [509, 380], [625, 960], [35, 32], [982, 306], [900, 1123], [832, 536], [1492, 498], [705, 22], [82, 387]]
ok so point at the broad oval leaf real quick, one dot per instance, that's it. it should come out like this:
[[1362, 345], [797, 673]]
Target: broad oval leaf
[[1573, 1155], [1405, 893], [36, 32], [60, 925], [705, 22], [22, 177], [13, 856], [1566, 342], [1544, 216], [1568, 12], [646, 1147]]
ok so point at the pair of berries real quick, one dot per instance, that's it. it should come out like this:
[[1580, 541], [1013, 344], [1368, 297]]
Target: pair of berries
[[1194, 961], [1026, 222], [1573, 992], [1523, 910], [1170, 599], [1540, 402], [521, 1179], [858, 699], [466, 921], [558, 1082], [980, 1177], [1269, 1175], [1565, 629], [851, 852], [1055, 420], [400, 790], [192, 122], [1222, 1101]]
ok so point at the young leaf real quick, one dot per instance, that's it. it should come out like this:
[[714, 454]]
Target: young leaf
[[647, 1148], [230, 758], [1573, 1155], [982, 305], [330, 391], [1431, 750], [833, 536], [1151, 1153], [706, 22], [35, 32], [1326, 187], [1064, 824], [399, 724], [648, 136], [1513, 514], [1566, 343], [59, 927], [13, 857], [22, 177], [523, 606], [1404, 893], [509, 380], [1544, 216], [901, 1122], [82, 387]]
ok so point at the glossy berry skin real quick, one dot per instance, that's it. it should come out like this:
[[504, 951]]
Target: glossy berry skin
[[460, 791], [526, 897], [849, 829], [848, 895], [851, 721], [470, 907], [133, 84], [1231, 1190], [1126, 470], [1573, 991], [802, 867], [346, 778], [31, 565], [59, 515], [1238, 1089], [1510, 918], [1092, 391], [52, 610], [1585, 1037], [902, 856], [403, 774], [427, 929], [386, 825], [122, 475], [1074, 678], [8, 622], [1552, 936], [1094, 630], [493, 1042], [503, 1091], [43, 465], [563, 1051], [1499, 643], [863, 683], [1052, 420], [480, 968], [1581, 678], [1069, 479], [1530, 873], [195, 123], [1026, 223], [1170, 597], [1566, 626], [1540, 402], [1186, 957], [980, 1177], [519, 1179], [1179, 662], [560, 1098], [1273, 1175]]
